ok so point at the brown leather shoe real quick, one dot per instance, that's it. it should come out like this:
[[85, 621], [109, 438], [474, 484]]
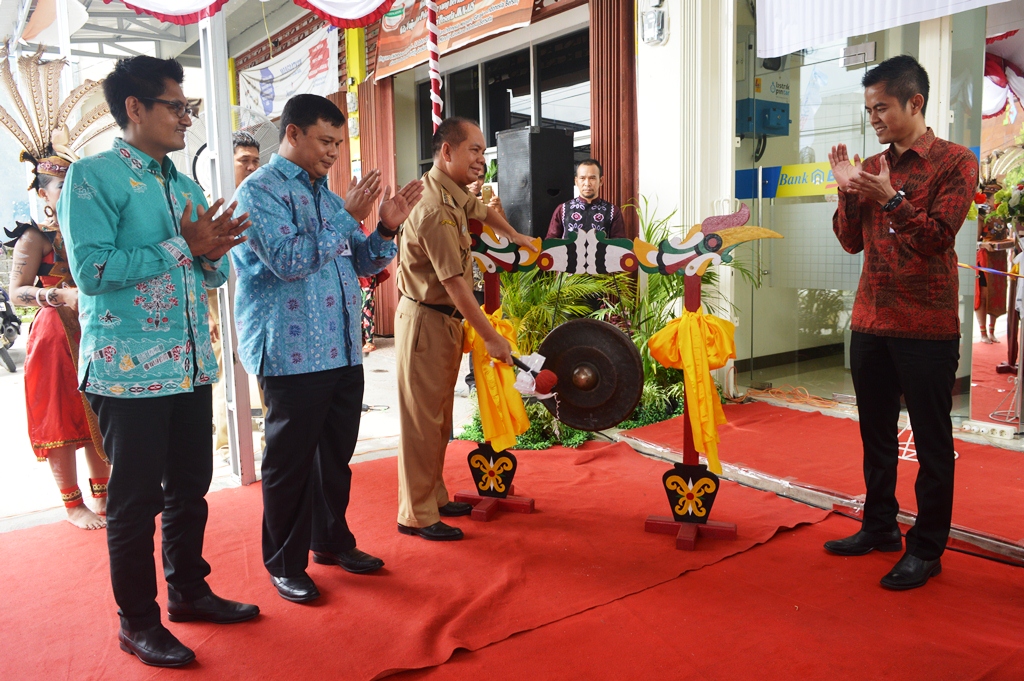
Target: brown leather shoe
[[156, 647], [436, 532]]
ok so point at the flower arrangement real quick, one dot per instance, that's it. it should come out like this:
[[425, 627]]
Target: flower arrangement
[[1006, 203]]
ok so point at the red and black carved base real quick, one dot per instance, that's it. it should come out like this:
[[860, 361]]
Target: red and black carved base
[[493, 473], [691, 492]]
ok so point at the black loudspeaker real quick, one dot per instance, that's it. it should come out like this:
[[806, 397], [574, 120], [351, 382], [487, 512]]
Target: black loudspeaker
[[535, 176]]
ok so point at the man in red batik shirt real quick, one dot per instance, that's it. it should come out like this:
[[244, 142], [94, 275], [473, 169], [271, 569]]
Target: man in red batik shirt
[[903, 208]]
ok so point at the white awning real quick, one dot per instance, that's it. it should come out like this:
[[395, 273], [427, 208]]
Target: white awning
[[785, 26]]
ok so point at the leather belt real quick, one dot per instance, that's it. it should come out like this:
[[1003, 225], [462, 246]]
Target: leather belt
[[446, 310]]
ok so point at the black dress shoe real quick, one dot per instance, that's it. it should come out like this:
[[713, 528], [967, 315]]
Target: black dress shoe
[[299, 589], [436, 532], [155, 646], [866, 542], [211, 608], [910, 573], [454, 509], [354, 560]]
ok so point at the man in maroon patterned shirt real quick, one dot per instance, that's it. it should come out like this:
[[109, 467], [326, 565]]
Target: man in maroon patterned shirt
[[903, 208]]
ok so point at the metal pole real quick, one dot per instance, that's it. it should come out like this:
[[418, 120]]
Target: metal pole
[[67, 77], [1019, 388], [213, 43]]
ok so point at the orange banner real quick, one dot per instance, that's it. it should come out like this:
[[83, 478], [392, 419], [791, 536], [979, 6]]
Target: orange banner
[[402, 43]]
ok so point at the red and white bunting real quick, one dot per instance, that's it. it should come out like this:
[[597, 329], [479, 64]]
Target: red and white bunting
[[434, 56], [181, 12], [348, 13], [341, 13]]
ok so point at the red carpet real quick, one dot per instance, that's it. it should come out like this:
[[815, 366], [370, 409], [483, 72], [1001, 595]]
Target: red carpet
[[824, 451], [584, 547], [988, 388], [785, 610]]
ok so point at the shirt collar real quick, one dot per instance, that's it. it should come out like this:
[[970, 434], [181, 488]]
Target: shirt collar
[[292, 171], [459, 193], [922, 147], [140, 163]]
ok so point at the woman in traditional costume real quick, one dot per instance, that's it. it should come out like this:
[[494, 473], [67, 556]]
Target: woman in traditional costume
[[990, 289], [59, 419]]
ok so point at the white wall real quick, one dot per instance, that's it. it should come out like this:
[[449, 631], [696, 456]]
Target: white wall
[[685, 114]]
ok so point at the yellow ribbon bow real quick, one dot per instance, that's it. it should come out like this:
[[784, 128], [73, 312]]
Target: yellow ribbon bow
[[502, 414], [698, 343]]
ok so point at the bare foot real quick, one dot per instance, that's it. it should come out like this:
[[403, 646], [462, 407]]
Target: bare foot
[[101, 507], [81, 516]]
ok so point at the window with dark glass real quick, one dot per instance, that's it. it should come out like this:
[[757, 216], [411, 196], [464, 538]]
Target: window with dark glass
[[563, 77], [509, 103], [563, 74], [463, 98], [426, 124]]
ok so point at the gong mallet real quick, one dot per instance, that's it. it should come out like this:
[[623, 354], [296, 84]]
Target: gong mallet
[[544, 381]]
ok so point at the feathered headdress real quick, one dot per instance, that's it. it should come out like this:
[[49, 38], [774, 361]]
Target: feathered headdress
[[43, 132]]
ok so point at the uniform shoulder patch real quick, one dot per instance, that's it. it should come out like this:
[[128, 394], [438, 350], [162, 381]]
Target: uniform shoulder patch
[[446, 198]]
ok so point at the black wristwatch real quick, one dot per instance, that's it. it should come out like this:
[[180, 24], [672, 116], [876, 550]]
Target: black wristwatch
[[891, 204], [389, 233]]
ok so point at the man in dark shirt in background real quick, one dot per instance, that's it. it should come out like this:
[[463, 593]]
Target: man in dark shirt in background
[[903, 208], [586, 211]]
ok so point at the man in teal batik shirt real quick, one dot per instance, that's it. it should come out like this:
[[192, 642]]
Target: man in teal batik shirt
[[143, 248]]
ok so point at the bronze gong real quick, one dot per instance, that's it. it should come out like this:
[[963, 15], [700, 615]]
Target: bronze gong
[[600, 374]]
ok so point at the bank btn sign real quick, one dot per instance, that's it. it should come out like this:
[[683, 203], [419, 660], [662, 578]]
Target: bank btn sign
[[798, 179], [806, 179]]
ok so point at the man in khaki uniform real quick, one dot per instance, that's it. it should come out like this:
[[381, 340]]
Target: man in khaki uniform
[[435, 279]]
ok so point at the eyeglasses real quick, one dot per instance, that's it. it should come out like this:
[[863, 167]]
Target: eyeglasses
[[180, 109]]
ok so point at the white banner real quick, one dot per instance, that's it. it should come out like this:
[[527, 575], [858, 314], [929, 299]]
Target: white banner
[[785, 26], [309, 67]]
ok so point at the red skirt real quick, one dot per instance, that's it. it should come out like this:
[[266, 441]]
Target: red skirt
[[54, 405], [994, 290]]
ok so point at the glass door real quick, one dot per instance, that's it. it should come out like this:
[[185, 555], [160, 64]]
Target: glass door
[[794, 325]]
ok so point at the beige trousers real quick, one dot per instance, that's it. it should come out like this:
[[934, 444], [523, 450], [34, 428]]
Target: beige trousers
[[428, 352]]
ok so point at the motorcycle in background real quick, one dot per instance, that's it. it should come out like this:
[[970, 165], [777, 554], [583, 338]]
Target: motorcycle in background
[[10, 329]]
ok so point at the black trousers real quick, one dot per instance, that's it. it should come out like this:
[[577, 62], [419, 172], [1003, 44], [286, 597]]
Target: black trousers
[[162, 462], [312, 426], [922, 371]]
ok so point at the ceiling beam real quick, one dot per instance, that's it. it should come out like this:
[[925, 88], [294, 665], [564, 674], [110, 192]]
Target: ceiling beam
[[92, 33]]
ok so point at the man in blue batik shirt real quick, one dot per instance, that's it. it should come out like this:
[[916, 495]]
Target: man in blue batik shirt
[[298, 308]]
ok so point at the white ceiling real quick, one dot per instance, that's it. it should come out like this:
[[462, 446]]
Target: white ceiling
[[115, 31]]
